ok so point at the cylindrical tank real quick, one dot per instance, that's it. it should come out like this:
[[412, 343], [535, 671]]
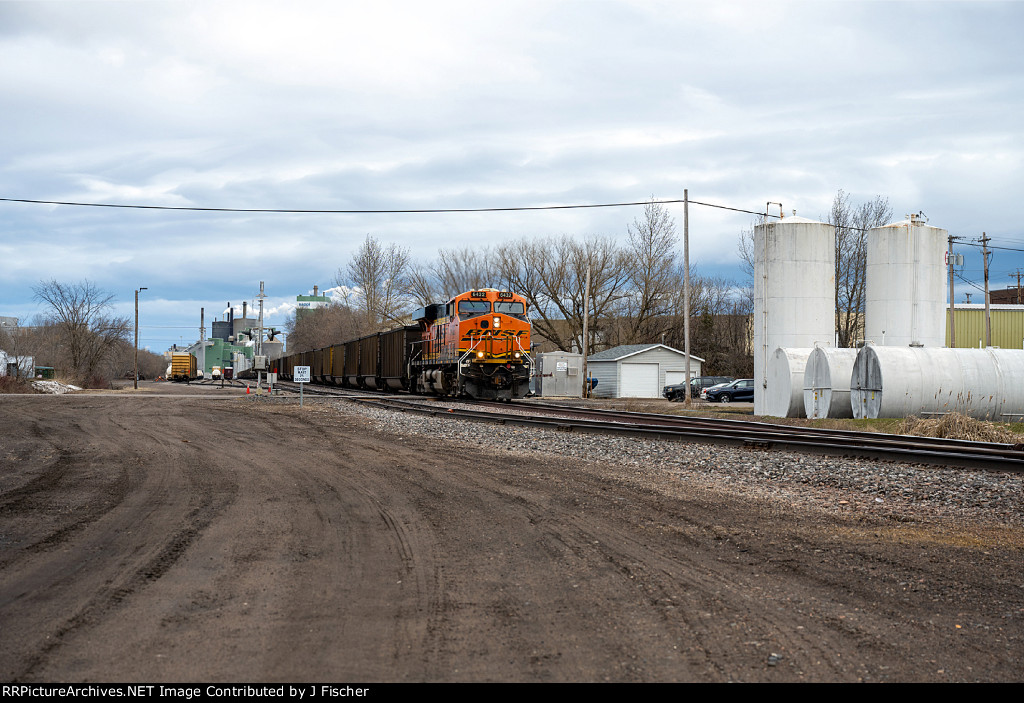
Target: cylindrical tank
[[784, 396], [905, 285], [902, 381], [794, 291], [826, 382]]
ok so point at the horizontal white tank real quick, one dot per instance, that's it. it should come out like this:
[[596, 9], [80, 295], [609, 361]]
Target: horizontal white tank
[[987, 384], [905, 284], [784, 396], [794, 292], [827, 382]]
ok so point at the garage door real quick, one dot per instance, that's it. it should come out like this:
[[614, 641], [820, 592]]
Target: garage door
[[674, 377], [639, 381]]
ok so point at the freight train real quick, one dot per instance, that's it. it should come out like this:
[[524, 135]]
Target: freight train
[[476, 345]]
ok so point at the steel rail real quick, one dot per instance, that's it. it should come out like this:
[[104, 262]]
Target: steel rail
[[923, 450], [768, 429]]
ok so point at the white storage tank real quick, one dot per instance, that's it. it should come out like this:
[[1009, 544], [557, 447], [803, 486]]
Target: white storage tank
[[905, 285], [794, 292], [827, 382], [987, 384], [784, 396]]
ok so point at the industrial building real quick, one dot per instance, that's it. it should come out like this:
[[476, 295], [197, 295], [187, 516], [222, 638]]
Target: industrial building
[[1007, 323], [307, 303], [13, 365], [639, 370]]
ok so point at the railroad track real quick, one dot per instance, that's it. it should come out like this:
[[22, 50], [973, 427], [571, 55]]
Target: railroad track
[[754, 435], [746, 433]]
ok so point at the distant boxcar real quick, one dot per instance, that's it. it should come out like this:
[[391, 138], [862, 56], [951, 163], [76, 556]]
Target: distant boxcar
[[183, 366]]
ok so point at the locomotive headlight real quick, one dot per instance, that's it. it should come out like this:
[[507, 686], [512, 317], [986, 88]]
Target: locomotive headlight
[[497, 322]]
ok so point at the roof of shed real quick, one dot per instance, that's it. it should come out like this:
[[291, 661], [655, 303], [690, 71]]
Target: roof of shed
[[624, 350]]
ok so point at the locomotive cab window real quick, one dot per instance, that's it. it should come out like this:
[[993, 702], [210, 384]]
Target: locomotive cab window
[[509, 308], [474, 306]]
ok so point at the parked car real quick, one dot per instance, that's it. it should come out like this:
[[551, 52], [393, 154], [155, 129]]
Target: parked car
[[740, 389], [697, 384], [704, 393]]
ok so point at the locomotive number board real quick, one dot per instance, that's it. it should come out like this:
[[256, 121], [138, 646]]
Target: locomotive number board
[[478, 294], [505, 294]]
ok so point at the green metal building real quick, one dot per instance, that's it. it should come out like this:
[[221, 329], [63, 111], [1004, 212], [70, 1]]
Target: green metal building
[[1007, 326], [219, 353]]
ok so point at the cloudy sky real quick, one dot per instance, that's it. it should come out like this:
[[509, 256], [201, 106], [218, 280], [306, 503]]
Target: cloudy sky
[[421, 105]]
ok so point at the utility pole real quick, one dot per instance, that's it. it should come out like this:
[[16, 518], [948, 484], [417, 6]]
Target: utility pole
[[258, 351], [686, 290], [137, 337], [201, 351], [952, 317], [586, 332], [988, 311], [1020, 298]]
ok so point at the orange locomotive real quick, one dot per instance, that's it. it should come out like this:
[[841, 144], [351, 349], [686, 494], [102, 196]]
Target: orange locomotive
[[476, 344]]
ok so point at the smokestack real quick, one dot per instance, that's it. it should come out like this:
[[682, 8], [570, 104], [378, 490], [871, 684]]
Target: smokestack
[[202, 324], [231, 314], [315, 289], [245, 306]]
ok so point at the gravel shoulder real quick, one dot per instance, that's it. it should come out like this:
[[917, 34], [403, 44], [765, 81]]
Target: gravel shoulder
[[217, 538]]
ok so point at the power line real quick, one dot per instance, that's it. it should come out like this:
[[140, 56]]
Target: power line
[[973, 244], [970, 283], [376, 212]]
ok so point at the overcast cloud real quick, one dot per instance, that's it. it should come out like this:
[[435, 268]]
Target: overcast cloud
[[403, 105]]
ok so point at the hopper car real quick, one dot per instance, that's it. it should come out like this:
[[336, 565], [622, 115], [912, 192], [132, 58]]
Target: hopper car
[[475, 345]]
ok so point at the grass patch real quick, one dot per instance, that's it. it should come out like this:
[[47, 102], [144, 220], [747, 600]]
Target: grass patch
[[10, 384], [958, 426]]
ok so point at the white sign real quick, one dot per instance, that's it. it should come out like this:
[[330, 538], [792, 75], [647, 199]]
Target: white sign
[[301, 374], [561, 366]]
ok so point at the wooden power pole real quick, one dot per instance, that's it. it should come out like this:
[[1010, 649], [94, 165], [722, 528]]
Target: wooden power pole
[[988, 301]]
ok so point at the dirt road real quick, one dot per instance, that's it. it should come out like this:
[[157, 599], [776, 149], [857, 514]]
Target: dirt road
[[148, 538]]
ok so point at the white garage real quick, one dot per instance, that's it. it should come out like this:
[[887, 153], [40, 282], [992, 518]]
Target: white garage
[[639, 380], [639, 370]]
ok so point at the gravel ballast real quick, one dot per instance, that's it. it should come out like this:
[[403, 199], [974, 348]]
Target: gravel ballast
[[895, 490]]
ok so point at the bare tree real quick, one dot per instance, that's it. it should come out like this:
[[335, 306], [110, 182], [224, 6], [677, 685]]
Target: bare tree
[[653, 275], [87, 332], [721, 326], [380, 275], [330, 324], [852, 223], [459, 270], [14, 344], [551, 273], [423, 286]]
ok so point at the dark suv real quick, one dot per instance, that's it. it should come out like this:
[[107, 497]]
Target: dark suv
[[743, 389], [678, 391]]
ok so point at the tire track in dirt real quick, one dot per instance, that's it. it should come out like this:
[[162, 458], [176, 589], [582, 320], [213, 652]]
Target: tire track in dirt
[[152, 494], [312, 547], [381, 539]]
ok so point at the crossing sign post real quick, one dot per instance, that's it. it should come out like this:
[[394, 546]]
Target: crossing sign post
[[301, 375]]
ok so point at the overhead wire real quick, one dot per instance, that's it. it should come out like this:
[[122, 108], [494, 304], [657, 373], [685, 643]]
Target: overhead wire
[[378, 212]]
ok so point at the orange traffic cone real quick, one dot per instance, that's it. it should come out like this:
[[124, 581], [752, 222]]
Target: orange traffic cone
[[247, 389]]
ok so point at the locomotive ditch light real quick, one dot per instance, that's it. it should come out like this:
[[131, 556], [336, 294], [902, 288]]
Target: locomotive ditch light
[[480, 355], [516, 355]]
